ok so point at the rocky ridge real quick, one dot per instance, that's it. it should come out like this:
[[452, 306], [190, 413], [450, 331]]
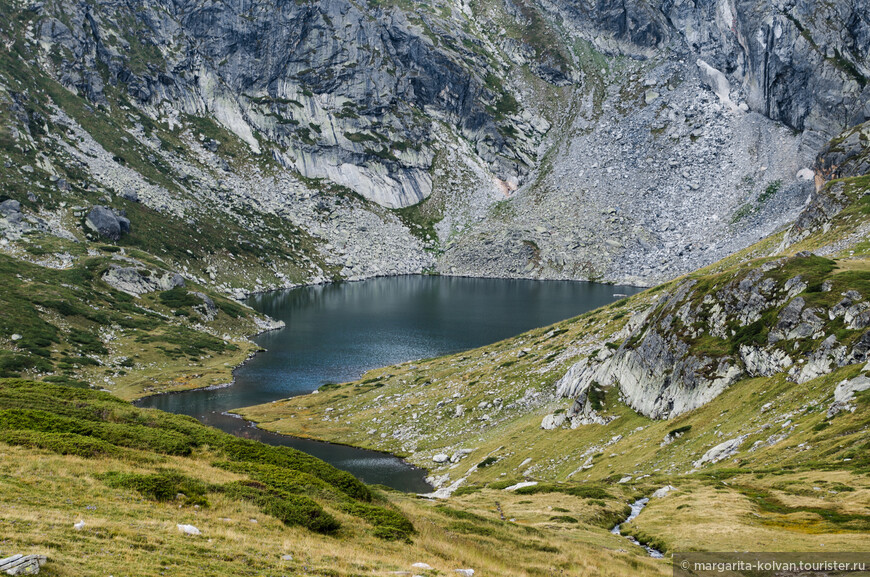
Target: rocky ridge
[[628, 142]]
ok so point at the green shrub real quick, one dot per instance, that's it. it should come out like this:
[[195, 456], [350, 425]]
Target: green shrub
[[752, 334], [61, 443], [179, 298], [289, 509], [389, 524], [87, 342], [253, 452], [498, 485], [280, 478], [467, 490], [123, 434], [12, 364], [66, 381], [161, 486], [680, 430]]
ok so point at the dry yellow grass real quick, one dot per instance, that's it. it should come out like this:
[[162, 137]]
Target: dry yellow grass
[[718, 517], [43, 495]]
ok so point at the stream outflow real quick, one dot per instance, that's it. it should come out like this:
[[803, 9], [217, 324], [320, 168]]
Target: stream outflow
[[636, 508]]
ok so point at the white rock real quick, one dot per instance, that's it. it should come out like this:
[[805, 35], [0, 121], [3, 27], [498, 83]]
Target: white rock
[[465, 572], [625, 479], [663, 491], [424, 566], [806, 174], [459, 455], [79, 526], [189, 530], [551, 422], [521, 485], [441, 458], [845, 393], [717, 82], [720, 451], [16, 337]]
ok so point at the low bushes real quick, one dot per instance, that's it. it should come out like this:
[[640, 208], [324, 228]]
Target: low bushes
[[282, 480], [161, 486], [289, 509], [389, 524]]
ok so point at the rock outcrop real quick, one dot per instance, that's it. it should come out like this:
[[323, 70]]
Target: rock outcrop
[[700, 338], [844, 394], [139, 280], [106, 223], [795, 61], [330, 88]]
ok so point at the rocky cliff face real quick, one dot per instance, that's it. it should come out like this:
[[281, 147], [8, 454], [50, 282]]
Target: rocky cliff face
[[332, 89], [799, 62], [697, 146], [627, 141], [783, 316]]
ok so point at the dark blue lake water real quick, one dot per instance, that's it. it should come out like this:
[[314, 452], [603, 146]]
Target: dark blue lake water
[[336, 332]]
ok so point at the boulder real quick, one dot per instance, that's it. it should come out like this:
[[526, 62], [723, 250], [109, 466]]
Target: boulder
[[207, 310], [720, 452], [22, 564], [137, 281], [130, 194], [124, 224], [663, 492], [189, 530], [441, 458], [10, 206], [521, 485], [551, 422], [106, 223], [844, 394]]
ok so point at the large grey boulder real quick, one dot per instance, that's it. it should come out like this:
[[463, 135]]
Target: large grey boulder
[[720, 452], [106, 223], [137, 281], [10, 206], [10, 210], [551, 422], [844, 394]]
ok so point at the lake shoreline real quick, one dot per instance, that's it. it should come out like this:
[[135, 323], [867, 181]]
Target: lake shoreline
[[398, 319]]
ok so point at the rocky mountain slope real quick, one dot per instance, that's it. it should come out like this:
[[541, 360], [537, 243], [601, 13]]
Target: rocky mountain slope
[[626, 142]]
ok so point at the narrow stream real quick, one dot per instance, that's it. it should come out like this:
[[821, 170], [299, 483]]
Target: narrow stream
[[636, 508]]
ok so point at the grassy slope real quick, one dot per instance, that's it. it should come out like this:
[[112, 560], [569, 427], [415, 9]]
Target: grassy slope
[[43, 492], [74, 327], [806, 491]]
